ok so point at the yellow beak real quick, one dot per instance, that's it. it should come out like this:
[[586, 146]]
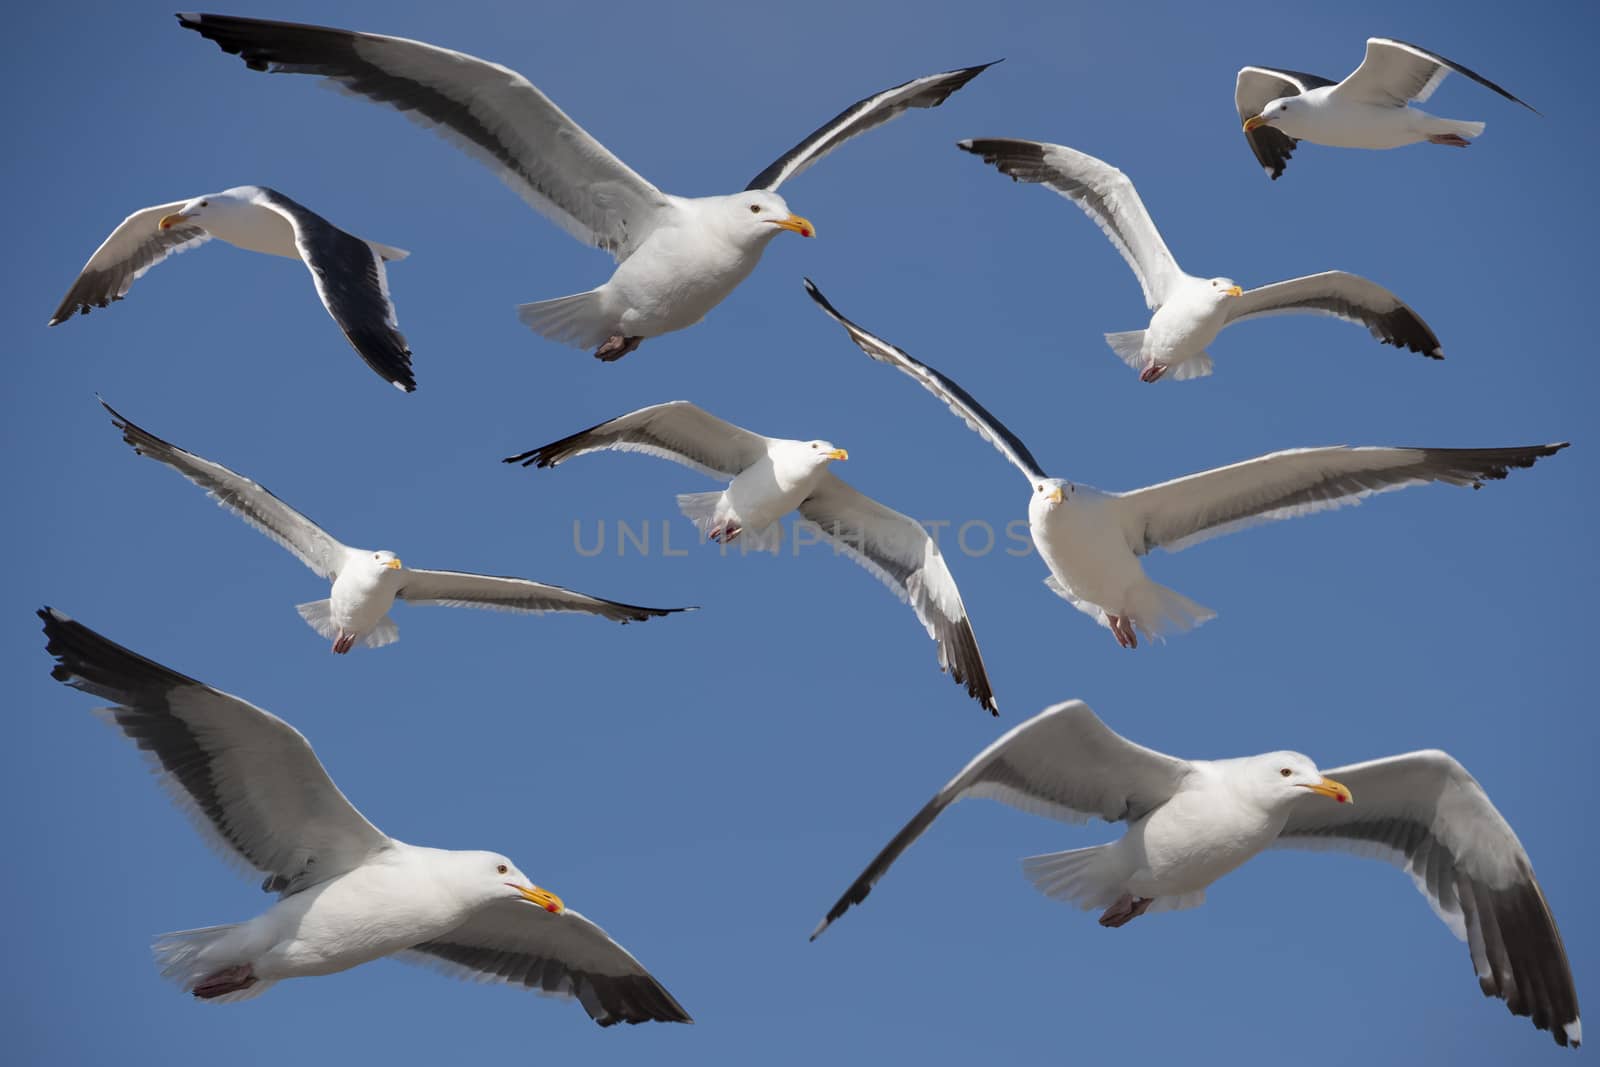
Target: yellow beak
[[1330, 788], [1056, 495], [542, 897], [837, 453], [1234, 290], [797, 224], [1254, 121], [394, 564], [169, 221]]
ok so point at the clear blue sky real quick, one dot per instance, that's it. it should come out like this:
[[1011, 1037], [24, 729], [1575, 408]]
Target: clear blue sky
[[704, 786]]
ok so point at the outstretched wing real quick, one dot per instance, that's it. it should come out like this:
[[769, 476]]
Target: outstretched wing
[[122, 258], [1257, 87], [1344, 296], [458, 589], [676, 430], [1394, 73]]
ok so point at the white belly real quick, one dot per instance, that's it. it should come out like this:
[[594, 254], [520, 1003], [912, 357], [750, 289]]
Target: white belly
[[1084, 546], [674, 279], [759, 496], [1184, 325], [258, 230], [1360, 126], [1195, 838], [359, 601]]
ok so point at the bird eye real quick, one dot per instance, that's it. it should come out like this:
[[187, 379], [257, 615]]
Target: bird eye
[[501, 869], [1286, 772], [755, 209]]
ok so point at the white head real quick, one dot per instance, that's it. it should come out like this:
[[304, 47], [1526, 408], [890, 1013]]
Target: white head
[[1275, 112], [380, 562], [754, 217], [1223, 288], [794, 460], [210, 208], [1049, 494], [1278, 779], [481, 878]]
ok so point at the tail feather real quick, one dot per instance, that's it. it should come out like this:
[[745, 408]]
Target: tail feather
[[1196, 366], [188, 957], [1129, 347], [1158, 611], [385, 633], [388, 252], [581, 320], [1085, 877], [706, 511], [319, 616], [1469, 130]]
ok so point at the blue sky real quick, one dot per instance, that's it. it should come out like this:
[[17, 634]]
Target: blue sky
[[704, 786]]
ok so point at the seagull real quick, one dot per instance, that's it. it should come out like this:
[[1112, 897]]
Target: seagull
[[1192, 821], [1092, 540], [772, 476], [347, 893], [365, 583], [347, 271], [1371, 108], [1190, 311], [678, 257]]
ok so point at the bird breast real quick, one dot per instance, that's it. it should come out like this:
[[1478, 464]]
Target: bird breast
[[1198, 836], [679, 274], [361, 596], [255, 229]]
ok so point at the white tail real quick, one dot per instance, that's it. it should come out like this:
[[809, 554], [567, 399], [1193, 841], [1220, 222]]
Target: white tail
[[1086, 877], [1129, 347], [319, 616], [705, 510], [387, 632], [1158, 611], [188, 957], [1469, 130], [1196, 366], [581, 320], [388, 252]]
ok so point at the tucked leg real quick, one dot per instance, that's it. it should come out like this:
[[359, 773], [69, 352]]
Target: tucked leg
[[1454, 140], [223, 982], [1127, 908], [1122, 629], [725, 532], [1153, 371], [344, 642], [617, 346]]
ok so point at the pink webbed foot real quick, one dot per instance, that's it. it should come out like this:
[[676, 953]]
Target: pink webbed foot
[[1152, 372], [344, 642], [725, 532], [228, 980], [1454, 140], [616, 346], [1125, 910], [1122, 629]]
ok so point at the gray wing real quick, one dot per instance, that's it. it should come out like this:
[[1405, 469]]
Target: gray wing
[[1104, 193], [1300, 481], [676, 430], [861, 116], [458, 589], [489, 111], [1255, 89], [1426, 815], [957, 399], [248, 780], [899, 552], [1063, 763], [350, 278], [1394, 73], [1344, 296], [563, 955], [122, 258], [309, 542]]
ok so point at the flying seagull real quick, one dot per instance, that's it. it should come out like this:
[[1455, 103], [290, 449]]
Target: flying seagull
[[1092, 540], [1190, 311], [365, 583], [347, 893], [1192, 821], [772, 476], [1371, 108], [678, 257], [347, 271]]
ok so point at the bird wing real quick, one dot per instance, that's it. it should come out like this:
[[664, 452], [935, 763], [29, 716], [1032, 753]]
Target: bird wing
[[1064, 763], [1426, 815], [1256, 88], [309, 542], [676, 430], [133, 248], [248, 780], [487, 110], [955, 398], [563, 955], [1394, 73], [1104, 193], [899, 552], [354, 287], [861, 116], [1299, 481], [458, 589], [1344, 296]]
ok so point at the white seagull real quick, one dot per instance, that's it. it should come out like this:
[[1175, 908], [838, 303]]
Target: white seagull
[[678, 257], [365, 583], [348, 271], [1092, 540], [1192, 821], [347, 893], [1189, 312], [1371, 108], [772, 476]]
